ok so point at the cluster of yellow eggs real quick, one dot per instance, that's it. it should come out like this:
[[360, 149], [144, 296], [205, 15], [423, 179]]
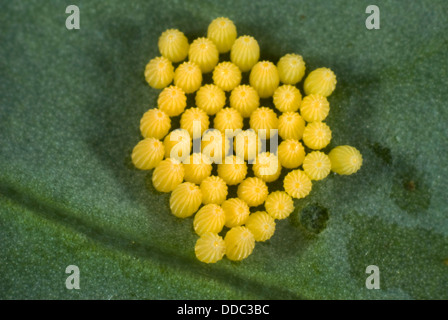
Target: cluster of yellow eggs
[[188, 176]]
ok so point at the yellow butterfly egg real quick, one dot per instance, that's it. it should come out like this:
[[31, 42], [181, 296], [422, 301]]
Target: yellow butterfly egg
[[291, 153], [316, 165], [291, 126], [253, 191], [198, 168], [195, 121], [227, 76], [210, 98], [262, 225], [173, 45], [345, 160], [204, 53], [279, 205], [222, 31], [264, 78], [172, 100], [228, 118], [317, 135], [210, 248], [214, 190], [233, 170], [177, 144], [321, 81], [315, 108], [287, 98], [155, 124], [291, 68], [263, 120], [185, 200], [210, 218], [297, 184], [245, 99], [267, 167], [167, 175], [148, 153], [245, 52], [159, 72], [247, 144], [240, 243], [236, 210], [188, 77]]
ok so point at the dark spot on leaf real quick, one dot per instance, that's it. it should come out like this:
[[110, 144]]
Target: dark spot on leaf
[[410, 185], [312, 218], [409, 190], [381, 152], [302, 17]]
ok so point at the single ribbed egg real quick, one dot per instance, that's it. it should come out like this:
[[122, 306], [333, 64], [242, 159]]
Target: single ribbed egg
[[236, 210], [173, 45], [245, 52], [227, 76], [316, 165], [245, 99], [253, 191], [279, 205], [155, 124], [148, 153], [172, 100], [167, 175], [197, 168], [345, 160], [195, 121], [210, 98], [264, 78], [291, 153], [188, 77], [159, 72], [317, 135], [297, 184], [315, 108], [321, 81], [185, 200], [233, 170], [210, 218], [222, 32], [262, 225], [214, 190], [291, 126], [263, 120], [291, 68], [228, 118], [204, 53], [287, 98], [240, 243], [210, 248]]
